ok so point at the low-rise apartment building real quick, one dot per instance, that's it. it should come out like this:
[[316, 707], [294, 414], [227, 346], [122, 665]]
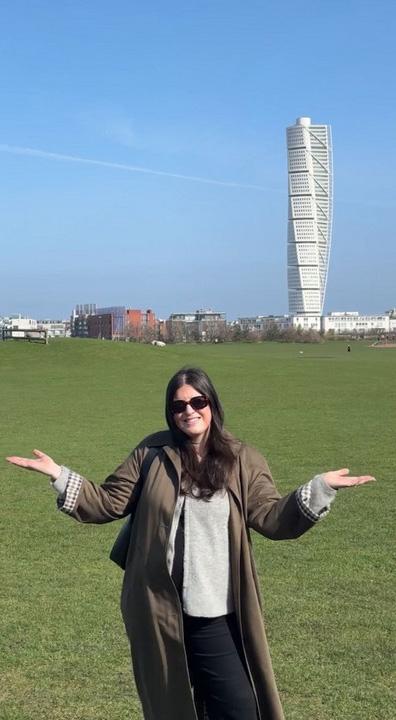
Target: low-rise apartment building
[[336, 322], [261, 323], [79, 319], [19, 324], [198, 326], [101, 326], [55, 328], [140, 325], [307, 322], [114, 323], [352, 322], [118, 314]]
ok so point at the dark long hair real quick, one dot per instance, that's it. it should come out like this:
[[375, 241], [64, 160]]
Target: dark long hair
[[212, 473]]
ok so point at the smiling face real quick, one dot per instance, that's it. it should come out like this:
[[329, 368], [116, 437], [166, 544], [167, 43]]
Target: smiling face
[[193, 423]]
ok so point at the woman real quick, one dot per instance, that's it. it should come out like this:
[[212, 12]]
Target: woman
[[190, 598]]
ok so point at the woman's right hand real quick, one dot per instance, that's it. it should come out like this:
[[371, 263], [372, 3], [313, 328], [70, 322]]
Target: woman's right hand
[[41, 463]]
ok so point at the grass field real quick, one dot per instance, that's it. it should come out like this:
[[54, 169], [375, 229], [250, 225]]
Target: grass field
[[328, 596]]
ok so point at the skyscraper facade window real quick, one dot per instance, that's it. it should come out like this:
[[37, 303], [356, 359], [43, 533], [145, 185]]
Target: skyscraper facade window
[[310, 171]]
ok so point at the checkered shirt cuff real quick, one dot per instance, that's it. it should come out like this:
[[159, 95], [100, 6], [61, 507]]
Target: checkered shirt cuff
[[314, 498], [66, 501]]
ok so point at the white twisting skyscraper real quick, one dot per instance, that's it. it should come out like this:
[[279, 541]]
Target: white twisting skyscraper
[[310, 170]]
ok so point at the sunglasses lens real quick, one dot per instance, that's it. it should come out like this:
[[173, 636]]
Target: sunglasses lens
[[178, 406], [197, 403]]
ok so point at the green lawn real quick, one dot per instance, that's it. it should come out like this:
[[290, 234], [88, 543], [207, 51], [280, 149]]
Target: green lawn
[[328, 596]]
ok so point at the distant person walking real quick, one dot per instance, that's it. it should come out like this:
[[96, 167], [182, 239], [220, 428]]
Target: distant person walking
[[190, 598], [348, 348]]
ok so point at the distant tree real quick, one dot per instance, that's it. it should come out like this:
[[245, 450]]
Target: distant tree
[[271, 332], [193, 334], [251, 336], [175, 332], [229, 332], [236, 335], [310, 336], [215, 331], [148, 334], [289, 334]]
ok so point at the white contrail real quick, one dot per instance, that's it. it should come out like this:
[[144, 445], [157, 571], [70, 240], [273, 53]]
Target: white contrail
[[17, 150]]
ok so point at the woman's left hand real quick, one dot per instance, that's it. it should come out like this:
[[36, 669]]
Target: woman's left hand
[[341, 479]]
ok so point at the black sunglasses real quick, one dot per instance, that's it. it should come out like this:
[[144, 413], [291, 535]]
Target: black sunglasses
[[199, 402]]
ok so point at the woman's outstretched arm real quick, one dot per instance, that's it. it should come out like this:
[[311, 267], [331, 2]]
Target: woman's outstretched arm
[[288, 517], [42, 463], [84, 500]]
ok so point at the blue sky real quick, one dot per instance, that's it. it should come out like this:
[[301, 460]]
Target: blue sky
[[193, 89]]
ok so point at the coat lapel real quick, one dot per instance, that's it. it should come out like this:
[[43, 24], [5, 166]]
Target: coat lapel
[[234, 481]]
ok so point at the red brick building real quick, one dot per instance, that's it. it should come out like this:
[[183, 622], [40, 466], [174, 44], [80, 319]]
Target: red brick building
[[140, 325], [101, 326], [123, 324]]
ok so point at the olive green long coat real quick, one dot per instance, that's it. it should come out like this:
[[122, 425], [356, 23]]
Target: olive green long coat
[[150, 603]]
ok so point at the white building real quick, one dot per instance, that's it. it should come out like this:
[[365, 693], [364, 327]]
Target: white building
[[55, 328], [19, 325], [307, 322], [261, 323], [337, 322], [352, 322], [19, 322], [310, 170], [392, 320]]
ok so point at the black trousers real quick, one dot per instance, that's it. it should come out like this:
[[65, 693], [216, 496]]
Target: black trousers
[[217, 669]]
